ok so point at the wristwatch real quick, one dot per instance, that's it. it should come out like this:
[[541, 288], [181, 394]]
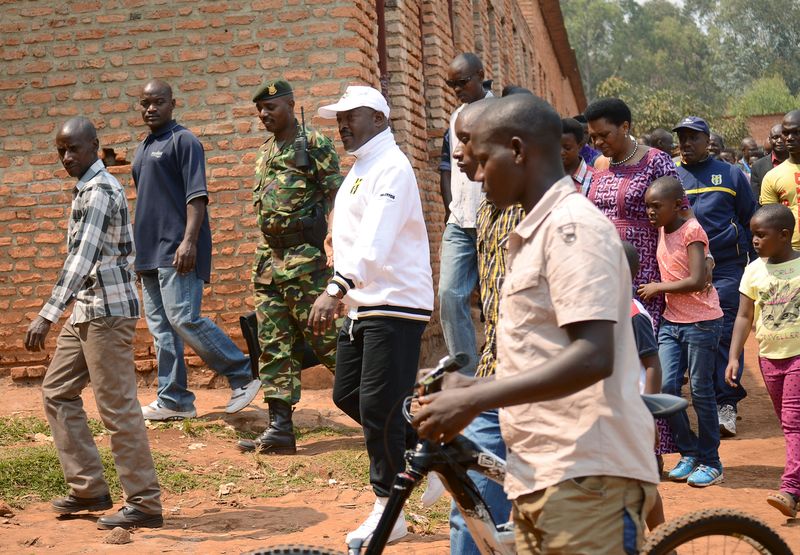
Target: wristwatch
[[334, 290]]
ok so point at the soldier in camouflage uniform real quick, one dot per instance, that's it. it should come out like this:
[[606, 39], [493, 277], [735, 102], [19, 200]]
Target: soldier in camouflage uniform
[[296, 182]]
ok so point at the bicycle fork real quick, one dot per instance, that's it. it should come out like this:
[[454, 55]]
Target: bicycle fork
[[404, 484]]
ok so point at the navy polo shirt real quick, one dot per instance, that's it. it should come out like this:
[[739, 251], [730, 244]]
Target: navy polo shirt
[[169, 170], [722, 201]]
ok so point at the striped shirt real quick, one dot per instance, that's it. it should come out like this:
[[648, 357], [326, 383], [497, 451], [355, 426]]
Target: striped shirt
[[493, 228], [97, 272]]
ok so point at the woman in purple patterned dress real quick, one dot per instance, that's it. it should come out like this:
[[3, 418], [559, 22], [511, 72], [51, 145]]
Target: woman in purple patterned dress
[[619, 190]]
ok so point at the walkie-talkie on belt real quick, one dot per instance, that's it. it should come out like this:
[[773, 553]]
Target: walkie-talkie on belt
[[301, 145]]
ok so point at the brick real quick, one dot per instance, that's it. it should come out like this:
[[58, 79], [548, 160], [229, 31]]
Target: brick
[[18, 252], [110, 76], [38, 67], [263, 5], [89, 34], [191, 24], [114, 107], [221, 67], [93, 63], [87, 94], [188, 55], [220, 98], [43, 159], [37, 98], [10, 84], [245, 49], [24, 145], [219, 38], [61, 80], [144, 59]]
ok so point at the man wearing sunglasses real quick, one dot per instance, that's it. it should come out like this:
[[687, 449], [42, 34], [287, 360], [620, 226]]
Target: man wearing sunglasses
[[458, 262]]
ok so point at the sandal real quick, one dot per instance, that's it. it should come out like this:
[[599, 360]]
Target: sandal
[[784, 501]]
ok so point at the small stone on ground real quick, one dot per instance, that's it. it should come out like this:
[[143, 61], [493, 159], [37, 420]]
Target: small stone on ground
[[5, 510], [118, 536]]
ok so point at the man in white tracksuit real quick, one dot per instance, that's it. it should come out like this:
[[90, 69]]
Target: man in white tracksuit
[[383, 276]]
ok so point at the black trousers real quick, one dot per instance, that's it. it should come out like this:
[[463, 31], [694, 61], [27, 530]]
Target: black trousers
[[376, 366]]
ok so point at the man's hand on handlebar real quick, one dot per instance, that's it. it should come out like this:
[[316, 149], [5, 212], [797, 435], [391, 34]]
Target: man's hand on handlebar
[[444, 414]]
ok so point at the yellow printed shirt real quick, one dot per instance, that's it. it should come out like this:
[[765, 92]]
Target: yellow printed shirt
[[775, 290], [494, 225], [781, 185]]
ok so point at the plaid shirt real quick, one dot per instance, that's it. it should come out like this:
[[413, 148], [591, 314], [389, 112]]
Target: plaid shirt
[[583, 177], [97, 272], [493, 228]]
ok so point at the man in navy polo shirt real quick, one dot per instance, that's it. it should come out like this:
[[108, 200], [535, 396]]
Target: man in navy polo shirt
[[173, 260], [722, 201]]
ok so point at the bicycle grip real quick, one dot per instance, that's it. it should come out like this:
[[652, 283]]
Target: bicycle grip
[[453, 363]]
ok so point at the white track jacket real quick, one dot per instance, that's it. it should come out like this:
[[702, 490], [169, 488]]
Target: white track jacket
[[380, 242]]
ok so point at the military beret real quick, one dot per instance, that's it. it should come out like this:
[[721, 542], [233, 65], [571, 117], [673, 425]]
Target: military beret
[[272, 89]]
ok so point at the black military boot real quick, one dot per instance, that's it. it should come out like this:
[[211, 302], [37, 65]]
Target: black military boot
[[278, 438]]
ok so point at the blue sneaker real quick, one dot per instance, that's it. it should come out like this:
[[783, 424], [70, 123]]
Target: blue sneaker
[[683, 469], [704, 476]]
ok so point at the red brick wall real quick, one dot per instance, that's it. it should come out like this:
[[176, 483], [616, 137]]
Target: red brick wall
[[759, 127], [91, 58]]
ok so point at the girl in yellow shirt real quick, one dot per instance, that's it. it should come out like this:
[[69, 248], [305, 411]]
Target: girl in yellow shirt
[[770, 295]]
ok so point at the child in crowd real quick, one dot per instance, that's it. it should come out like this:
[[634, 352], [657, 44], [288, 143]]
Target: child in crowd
[[690, 330], [770, 295], [650, 375]]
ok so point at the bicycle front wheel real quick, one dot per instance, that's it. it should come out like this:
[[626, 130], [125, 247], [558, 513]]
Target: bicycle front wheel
[[715, 532], [295, 550]]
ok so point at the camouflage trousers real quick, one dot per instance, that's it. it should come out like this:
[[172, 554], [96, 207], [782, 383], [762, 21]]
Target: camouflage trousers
[[282, 310]]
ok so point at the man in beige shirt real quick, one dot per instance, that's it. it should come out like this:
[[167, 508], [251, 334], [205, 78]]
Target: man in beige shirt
[[581, 471]]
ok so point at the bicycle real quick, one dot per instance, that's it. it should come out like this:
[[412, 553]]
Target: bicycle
[[452, 461]]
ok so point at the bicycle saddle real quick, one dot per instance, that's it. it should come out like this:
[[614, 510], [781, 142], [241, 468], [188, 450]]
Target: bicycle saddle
[[662, 405]]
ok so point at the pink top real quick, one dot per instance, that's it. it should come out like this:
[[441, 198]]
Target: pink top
[[673, 261]]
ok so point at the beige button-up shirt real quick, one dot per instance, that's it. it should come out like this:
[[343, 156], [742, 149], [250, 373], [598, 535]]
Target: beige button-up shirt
[[566, 265]]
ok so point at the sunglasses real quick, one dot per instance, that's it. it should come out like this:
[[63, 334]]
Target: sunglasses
[[457, 83]]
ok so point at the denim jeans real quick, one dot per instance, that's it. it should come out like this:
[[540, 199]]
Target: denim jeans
[[693, 346], [726, 282], [172, 310], [458, 276], [484, 431]]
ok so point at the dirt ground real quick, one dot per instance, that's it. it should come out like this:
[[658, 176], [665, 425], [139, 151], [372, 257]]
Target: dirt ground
[[201, 522]]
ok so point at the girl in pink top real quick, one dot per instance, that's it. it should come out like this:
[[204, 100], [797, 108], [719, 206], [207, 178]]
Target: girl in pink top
[[690, 330]]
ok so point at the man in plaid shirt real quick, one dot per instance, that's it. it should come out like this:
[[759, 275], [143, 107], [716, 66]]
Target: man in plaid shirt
[[96, 344]]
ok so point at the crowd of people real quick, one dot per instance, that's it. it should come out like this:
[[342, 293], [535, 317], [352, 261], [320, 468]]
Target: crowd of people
[[606, 267]]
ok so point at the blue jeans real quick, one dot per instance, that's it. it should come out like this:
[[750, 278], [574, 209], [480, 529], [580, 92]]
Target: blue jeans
[[458, 276], [484, 431], [726, 282], [172, 310], [693, 346]]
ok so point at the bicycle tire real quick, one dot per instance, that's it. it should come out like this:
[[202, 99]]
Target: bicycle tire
[[295, 549], [715, 522]]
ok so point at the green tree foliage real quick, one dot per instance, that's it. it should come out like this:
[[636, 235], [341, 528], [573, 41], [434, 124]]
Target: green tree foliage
[[594, 27], [714, 58], [757, 39], [664, 108], [767, 95]]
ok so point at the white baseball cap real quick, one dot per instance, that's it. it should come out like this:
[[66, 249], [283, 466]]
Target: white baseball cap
[[356, 96]]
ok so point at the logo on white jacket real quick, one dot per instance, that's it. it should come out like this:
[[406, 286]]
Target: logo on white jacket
[[356, 185]]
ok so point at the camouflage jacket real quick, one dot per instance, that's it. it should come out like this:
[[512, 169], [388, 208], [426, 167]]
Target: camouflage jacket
[[284, 193]]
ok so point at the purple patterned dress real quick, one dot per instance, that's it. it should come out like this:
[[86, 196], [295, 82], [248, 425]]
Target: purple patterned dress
[[619, 193]]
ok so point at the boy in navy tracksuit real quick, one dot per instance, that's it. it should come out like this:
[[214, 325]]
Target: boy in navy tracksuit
[[722, 200]]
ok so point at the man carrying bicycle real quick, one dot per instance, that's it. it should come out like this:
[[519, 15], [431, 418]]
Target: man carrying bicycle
[[581, 472]]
